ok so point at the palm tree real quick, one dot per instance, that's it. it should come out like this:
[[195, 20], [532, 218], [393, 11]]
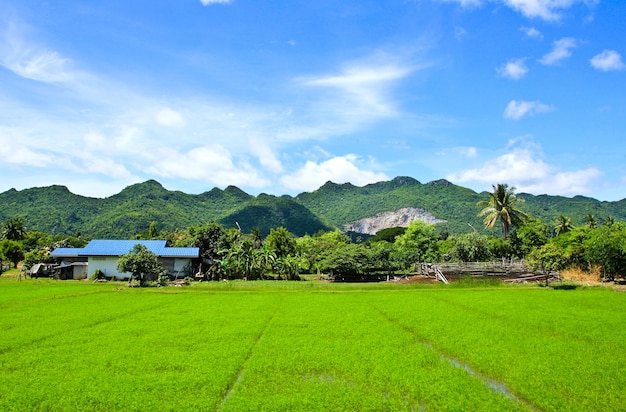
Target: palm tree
[[14, 229], [265, 258], [609, 221], [563, 225], [591, 221], [502, 205]]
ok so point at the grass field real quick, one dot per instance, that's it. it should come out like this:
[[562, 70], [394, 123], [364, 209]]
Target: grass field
[[249, 346]]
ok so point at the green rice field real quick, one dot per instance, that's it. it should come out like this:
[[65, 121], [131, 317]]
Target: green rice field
[[307, 346]]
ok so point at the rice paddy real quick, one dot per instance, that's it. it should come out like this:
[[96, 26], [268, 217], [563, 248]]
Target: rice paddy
[[285, 346]]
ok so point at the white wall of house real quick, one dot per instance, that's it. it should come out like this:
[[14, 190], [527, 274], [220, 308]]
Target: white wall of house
[[108, 266]]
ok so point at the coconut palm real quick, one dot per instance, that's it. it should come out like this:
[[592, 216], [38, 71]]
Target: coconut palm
[[563, 225], [591, 221], [502, 206], [14, 229]]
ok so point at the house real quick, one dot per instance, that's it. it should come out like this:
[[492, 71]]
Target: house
[[103, 255]]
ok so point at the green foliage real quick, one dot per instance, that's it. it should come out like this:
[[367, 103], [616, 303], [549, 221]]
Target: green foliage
[[281, 242], [502, 206], [211, 239], [388, 235], [142, 264], [14, 229], [12, 251], [417, 244], [35, 256], [266, 212], [344, 261], [606, 248], [563, 224], [529, 236], [550, 256], [470, 247]]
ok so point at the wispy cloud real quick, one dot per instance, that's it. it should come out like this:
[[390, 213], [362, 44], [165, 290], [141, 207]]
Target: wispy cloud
[[608, 60], [209, 2], [366, 85], [532, 33], [513, 69], [549, 10], [521, 165], [516, 109], [562, 49], [33, 61], [356, 95], [200, 139]]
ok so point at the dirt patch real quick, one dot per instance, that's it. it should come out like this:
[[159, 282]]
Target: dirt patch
[[590, 278]]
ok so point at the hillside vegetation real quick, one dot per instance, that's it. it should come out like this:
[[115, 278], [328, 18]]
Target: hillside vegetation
[[55, 210]]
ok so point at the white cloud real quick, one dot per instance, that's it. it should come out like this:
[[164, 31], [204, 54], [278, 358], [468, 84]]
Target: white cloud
[[562, 49], [532, 33], [550, 10], [97, 164], [513, 69], [169, 117], [365, 86], [211, 163], [340, 169], [469, 151], [209, 2], [516, 109], [544, 9], [265, 154], [608, 60], [359, 94], [522, 166], [34, 62], [16, 149]]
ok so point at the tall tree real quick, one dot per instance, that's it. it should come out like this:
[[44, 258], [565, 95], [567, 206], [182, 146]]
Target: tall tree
[[502, 206], [591, 220], [563, 225], [12, 251], [142, 264], [281, 242], [419, 243], [14, 229]]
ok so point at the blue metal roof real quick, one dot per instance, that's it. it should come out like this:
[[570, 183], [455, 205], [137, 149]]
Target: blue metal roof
[[121, 247], [66, 252], [108, 247]]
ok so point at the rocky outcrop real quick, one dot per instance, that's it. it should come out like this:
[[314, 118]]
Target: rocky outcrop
[[400, 218]]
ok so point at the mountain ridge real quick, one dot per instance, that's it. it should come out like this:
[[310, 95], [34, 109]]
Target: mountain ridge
[[55, 209]]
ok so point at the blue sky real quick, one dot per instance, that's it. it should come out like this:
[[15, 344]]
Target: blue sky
[[280, 97]]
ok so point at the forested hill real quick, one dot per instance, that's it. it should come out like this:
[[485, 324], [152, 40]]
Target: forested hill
[[54, 209]]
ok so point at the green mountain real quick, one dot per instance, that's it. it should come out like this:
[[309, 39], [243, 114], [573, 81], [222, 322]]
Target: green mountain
[[345, 203], [54, 209]]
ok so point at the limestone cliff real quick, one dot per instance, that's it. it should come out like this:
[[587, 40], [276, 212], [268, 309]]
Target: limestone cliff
[[400, 218]]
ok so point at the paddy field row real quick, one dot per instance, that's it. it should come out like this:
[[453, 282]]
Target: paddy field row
[[306, 346]]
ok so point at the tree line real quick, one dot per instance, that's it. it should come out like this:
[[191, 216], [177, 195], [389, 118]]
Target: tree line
[[228, 253]]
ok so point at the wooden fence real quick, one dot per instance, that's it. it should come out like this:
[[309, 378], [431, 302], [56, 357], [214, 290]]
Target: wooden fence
[[508, 271]]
